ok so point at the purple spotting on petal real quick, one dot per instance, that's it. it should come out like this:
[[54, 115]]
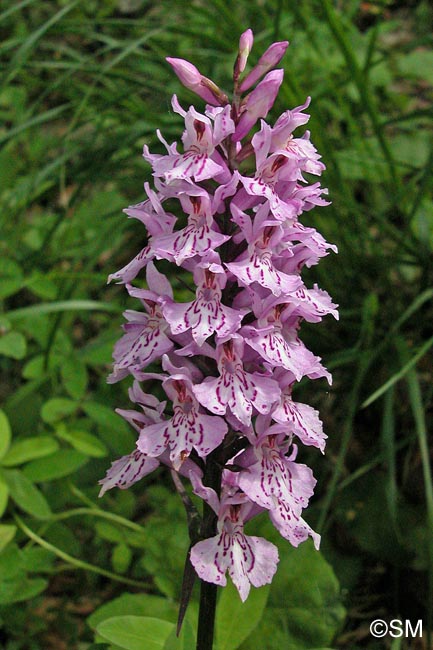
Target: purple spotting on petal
[[248, 560], [206, 314], [229, 356], [127, 470], [235, 389]]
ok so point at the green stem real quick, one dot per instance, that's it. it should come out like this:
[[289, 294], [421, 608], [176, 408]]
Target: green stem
[[94, 512], [79, 564]]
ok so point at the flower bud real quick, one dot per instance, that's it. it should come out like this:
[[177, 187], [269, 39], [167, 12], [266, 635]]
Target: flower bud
[[245, 45], [258, 103], [268, 60], [192, 79]]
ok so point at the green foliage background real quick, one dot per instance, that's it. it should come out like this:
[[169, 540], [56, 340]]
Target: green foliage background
[[82, 86]]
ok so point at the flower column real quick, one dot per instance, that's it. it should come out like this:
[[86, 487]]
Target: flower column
[[231, 356]]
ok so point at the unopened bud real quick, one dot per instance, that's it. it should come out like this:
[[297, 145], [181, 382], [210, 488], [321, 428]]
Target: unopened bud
[[258, 103], [192, 79], [268, 60], [245, 45]]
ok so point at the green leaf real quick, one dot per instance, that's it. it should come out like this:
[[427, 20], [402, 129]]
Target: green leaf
[[66, 305], [11, 278], [4, 495], [104, 416], [26, 495], [17, 591], [35, 368], [110, 532], [121, 558], [7, 533], [418, 64], [13, 344], [74, 377], [137, 605], [11, 563], [24, 450], [136, 632], [60, 464], [37, 559], [185, 641], [41, 286], [112, 428], [84, 442], [236, 620], [5, 433], [57, 408], [304, 609]]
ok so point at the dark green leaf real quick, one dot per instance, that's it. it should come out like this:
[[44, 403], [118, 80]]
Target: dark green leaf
[[29, 449], [74, 377], [136, 632], [13, 344], [62, 463], [7, 533], [236, 620], [57, 408], [5, 433], [84, 442], [26, 495]]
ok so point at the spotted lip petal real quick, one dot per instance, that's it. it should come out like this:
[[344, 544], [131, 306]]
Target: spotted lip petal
[[275, 478], [206, 314], [236, 389], [127, 470], [248, 560], [186, 430]]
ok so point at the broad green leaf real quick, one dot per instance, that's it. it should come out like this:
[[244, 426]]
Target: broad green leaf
[[74, 377], [13, 344], [11, 563], [4, 495], [60, 464], [5, 433], [104, 416], [26, 495], [37, 559], [85, 442], [57, 408], [110, 532], [236, 620], [136, 632], [24, 450], [17, 591], [35, 368], [185, 641], [304, 609], [7, 533], [137, 605]]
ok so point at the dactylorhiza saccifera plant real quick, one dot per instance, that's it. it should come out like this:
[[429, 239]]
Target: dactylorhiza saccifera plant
[[231, 356]]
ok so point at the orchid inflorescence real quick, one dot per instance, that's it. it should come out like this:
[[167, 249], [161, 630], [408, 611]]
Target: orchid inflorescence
[[231, 356]]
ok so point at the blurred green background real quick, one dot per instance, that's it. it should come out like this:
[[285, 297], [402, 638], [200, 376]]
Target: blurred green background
[[82, 86]]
